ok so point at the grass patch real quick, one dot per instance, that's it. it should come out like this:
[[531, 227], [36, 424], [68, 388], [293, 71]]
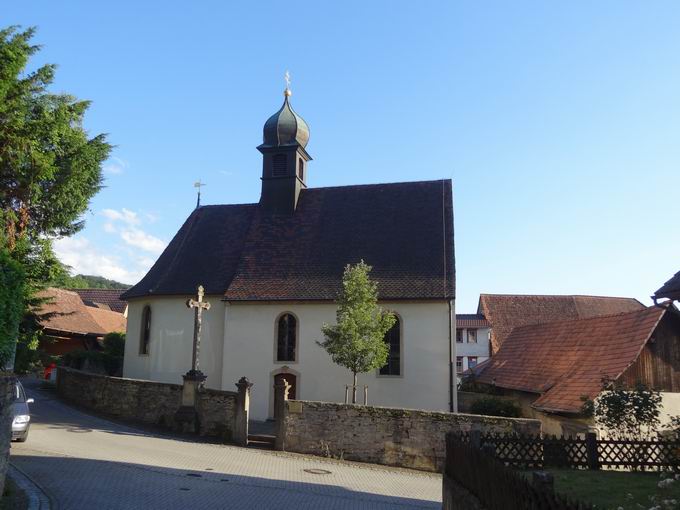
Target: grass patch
[[614, 489], [13, 498]]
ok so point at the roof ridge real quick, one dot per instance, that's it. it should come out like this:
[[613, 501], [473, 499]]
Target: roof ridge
[[559, 295], [367, 185], [224, 205], [584, 319]]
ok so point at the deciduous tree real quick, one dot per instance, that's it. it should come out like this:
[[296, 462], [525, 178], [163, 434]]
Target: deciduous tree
[[356, 341]]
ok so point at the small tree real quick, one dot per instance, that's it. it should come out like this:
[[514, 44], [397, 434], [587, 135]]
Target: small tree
[[625, 413], [114, 344], [357, 340]]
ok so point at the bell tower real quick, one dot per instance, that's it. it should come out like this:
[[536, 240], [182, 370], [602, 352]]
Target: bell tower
[[284, 158]]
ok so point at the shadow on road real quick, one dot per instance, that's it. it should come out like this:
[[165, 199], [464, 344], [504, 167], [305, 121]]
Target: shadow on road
[[77, 483]]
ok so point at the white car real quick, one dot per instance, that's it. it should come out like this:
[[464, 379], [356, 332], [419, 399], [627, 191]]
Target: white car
[[21, 413]]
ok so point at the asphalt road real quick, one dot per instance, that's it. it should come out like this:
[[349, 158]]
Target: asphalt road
[[85, 462]]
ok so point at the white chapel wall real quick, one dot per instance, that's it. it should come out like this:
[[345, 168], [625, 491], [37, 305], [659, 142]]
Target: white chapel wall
[[172, 326], [249, 351]]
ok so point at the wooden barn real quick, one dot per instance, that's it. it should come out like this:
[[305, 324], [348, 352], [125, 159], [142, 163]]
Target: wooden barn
[[549, 368]]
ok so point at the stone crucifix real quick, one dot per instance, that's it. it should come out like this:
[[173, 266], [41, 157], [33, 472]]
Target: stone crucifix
[[198, 305]]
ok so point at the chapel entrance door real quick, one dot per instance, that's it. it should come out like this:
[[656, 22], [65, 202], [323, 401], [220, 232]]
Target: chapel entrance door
[[292, 392]]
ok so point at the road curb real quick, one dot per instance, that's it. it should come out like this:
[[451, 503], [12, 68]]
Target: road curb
[[37, 498]]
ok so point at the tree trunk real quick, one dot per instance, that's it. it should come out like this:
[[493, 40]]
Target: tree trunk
[[354, 389]]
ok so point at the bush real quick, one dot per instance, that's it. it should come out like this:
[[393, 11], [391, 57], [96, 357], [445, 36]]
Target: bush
[[97, 362], [114, 344], [493, 406]]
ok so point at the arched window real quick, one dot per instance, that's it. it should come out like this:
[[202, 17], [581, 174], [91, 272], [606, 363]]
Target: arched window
[[393, 340], [145, 337], [280, 165], [301, 169], [286, 337]]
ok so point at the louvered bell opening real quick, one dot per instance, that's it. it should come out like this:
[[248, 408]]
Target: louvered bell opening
[[280, 163]]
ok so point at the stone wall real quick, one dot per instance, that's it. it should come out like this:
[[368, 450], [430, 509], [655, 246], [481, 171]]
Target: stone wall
[[6, 389], [383, 435], [147, 401]]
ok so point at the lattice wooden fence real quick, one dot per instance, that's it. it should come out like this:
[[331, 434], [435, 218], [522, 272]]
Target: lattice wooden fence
[[529, 452], [496, 486]]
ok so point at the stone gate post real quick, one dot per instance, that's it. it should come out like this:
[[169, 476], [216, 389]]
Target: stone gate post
[[242, 408], [281, 390]]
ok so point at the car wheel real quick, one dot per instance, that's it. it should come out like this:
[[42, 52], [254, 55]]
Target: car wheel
[[23, 438]]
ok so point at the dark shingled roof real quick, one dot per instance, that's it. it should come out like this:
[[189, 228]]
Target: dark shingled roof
[[246, 253], [109, 297], [471, 320], [670, 289]]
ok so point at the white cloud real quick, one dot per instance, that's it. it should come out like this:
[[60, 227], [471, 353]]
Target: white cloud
[[124, 215], [115, 166], [140, 239], [126, 223], [85, 258]]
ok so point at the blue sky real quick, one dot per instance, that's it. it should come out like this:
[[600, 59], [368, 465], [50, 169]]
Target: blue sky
[[559, 123]]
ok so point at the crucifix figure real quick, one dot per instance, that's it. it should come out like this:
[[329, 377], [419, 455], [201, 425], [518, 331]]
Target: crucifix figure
[[199, 305]]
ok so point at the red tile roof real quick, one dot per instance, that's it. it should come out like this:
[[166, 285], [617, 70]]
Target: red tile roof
[[403, 230], [109, 297], [670, 289], [565, 360], [471, 320], [508, 311], [66, 313]]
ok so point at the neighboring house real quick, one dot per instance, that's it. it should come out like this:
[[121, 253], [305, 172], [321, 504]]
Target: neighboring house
[[473, 337], [68, 324], [507, 311], [549, 368], [670, 290], [108, 299], [272, 270]]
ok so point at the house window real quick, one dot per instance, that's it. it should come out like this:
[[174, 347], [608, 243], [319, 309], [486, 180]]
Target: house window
[[459, 336], [459, 364], [472, 361], [279, 165], [286, 337], [145, 337], [393, 340], [472, 336], [301, 169]]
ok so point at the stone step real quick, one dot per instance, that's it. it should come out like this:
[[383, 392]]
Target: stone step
[[262, 441]]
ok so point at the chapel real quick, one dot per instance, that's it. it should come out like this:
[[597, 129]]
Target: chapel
[[272, 271]]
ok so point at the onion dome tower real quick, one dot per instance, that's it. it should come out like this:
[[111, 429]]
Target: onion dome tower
[[284, 158]]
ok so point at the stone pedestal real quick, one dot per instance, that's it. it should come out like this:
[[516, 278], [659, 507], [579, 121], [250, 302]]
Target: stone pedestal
[[186, 416], [241, 416]]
